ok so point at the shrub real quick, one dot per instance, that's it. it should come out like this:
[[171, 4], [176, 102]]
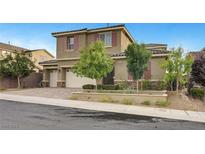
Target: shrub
[[108, 87], [162, 103], [107, 99], [153, 85], [89, 86], [123, 85], [146, 103], [128, 101], [197, 93]]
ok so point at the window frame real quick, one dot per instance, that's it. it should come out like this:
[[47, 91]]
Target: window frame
[[68, 43], [104, 41]]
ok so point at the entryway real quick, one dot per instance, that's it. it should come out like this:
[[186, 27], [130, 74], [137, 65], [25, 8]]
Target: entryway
[[53, 78]]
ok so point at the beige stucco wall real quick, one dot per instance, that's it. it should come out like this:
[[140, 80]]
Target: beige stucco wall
[[156, 71], [63, 52], [85, 39], [7, 50], [121, 72], [39, 56], [110, 50], [125, 41]]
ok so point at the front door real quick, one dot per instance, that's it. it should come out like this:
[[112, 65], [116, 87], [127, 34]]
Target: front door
[[109, 79]]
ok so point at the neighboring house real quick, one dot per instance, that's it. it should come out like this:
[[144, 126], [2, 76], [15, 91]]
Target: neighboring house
[[36, 56], [9, 49], [198, 54], [58, 73], [35, 78], [39, 55]]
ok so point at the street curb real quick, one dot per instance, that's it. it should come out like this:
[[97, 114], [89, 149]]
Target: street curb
[[110, 107]]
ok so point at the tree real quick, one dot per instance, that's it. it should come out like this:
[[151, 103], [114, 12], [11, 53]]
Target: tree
[[198, 72], [94, 62], [177, 68], [137, 59], [16, 65]]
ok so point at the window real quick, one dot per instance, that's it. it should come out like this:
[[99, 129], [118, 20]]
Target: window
[[70, 43], [106, 38]]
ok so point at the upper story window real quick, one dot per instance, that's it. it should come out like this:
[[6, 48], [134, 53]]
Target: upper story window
[[106, 38], [70, 43]]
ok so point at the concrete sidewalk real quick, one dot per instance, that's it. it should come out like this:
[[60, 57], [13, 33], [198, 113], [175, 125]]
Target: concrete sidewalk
[[110, 107]]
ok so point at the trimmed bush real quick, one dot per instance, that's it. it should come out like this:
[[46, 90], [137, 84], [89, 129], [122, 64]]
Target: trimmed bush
[[197, 93], [156, 85], [89, 86], [123, 86], [108, 87]]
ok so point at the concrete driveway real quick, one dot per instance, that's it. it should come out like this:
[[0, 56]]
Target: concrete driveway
[[60, 93]]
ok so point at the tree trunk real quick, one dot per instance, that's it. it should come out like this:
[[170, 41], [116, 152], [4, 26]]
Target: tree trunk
[[96, 88], [137, 86], [177, 86], [19, 84], [171, 86], [141, 85], [204, 95]]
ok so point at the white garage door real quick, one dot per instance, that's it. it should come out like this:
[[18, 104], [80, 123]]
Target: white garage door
[[53, 78], [73, 81]]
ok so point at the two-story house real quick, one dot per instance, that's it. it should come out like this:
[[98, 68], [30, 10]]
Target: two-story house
[[58, 73], [37, 55]]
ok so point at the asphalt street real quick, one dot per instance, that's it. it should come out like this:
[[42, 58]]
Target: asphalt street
[[23, 116]]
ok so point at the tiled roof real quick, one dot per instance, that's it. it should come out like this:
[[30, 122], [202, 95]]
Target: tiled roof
[[11, 47], [198, 54], [53, 61], [85, 29], [40, 50], [155, 52]]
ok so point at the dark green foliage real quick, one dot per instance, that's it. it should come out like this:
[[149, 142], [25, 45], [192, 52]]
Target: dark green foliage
[[198, 71], [123, 86], [197, 93], [89, 86], [108, 87], [101, 87], [153, 85]]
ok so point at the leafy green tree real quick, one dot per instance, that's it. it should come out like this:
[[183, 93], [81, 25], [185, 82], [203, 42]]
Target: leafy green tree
[[94, 62], [16, 65], [177, 68], [137, 59]]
